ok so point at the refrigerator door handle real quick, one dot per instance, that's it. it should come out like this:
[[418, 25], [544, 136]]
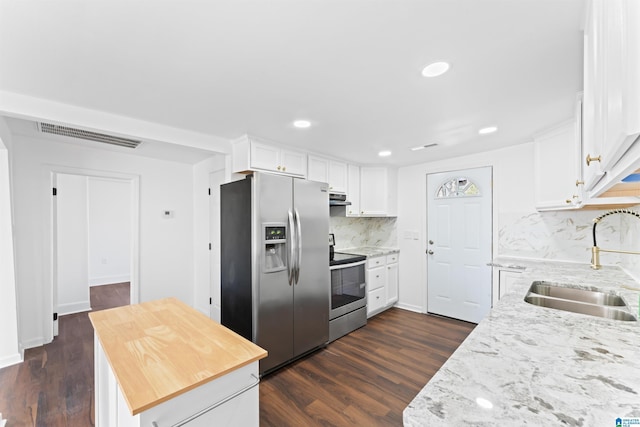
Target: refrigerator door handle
[[298, 244], [291, 254]]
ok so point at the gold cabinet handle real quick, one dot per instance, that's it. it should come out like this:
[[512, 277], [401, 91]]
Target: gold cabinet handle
[[284, 169], [579, 182], [278, 168], [593, 159]]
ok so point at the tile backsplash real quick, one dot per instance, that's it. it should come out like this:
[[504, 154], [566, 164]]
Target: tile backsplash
[[358, 232]]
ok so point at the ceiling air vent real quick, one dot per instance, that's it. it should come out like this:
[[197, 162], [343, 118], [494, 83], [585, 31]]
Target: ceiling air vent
[[91, 136]]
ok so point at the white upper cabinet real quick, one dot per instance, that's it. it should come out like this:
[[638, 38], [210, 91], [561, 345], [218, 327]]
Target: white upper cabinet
[[249, 153], [353, 190], [318, 169], [330, 171], [337, 177], [611, 91], [557, 174], [378, 195]]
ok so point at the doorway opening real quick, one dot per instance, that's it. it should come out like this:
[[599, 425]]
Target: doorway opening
[[459, 243], [94, 239]]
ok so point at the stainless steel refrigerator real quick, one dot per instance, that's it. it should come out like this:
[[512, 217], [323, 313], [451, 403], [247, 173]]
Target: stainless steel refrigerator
[[275, 282]]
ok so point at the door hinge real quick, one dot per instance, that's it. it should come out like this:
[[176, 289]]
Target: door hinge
[[55, 316], [209, 301], [209, 191], [209, 246], [55, 191]]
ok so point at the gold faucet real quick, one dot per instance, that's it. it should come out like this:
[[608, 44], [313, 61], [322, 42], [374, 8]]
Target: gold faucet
[[595, 250]]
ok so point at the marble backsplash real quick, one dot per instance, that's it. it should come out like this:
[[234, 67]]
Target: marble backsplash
[[358, 232], [567, 236]]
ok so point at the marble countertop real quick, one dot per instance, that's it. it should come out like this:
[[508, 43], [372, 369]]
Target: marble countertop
[[525, 364], [370, 251]]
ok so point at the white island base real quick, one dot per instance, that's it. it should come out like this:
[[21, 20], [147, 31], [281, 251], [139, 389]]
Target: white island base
[[231, 400]]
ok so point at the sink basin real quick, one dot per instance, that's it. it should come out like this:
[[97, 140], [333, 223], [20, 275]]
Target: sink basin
[[573, 294], [607, 312]]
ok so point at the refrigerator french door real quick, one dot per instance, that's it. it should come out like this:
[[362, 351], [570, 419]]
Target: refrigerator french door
[[275, 282]]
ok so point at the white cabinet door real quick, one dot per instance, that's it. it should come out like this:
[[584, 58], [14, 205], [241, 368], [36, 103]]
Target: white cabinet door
[[375, 301], [373, 191], [293, 162], [337, 177], [377, 277], [265, 156], [592, 101], [621, 74], [556, 174], [318, 169], [392, 284], [353, 190], [611, 90]]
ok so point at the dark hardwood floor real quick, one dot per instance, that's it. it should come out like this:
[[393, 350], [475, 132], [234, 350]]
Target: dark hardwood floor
[[366, 378], [54, 384]]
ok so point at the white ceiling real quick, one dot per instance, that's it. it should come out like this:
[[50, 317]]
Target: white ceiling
[[352, 67]]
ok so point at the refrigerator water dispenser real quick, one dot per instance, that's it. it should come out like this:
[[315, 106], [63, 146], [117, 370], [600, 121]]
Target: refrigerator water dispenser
[[275, 247]]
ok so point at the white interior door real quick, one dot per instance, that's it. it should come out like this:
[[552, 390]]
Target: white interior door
[[459, 243]]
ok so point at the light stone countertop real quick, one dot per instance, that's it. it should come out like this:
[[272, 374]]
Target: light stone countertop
[[369, 251], [540, 366]]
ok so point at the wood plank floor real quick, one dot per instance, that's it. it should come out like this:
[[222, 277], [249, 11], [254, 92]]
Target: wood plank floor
[[366, 378], [54, 384]]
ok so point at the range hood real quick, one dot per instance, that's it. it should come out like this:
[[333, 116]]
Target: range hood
[[624, 194], [336, 199]]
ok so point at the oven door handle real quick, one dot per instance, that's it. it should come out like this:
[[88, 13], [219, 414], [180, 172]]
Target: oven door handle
[[353, 264]]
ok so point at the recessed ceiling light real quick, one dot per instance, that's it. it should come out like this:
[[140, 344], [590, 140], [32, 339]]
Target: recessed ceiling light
[[436, 69], [302, 124], [487, 130], [384, 153]]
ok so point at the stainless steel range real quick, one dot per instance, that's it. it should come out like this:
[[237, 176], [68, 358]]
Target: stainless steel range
[[348, 294]]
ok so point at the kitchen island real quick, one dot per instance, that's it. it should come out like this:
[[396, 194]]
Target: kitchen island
[[525, 364], [162, 363]]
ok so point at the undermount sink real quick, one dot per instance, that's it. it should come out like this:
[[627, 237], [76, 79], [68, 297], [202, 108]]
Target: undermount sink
[[582, 301], [573, 294]]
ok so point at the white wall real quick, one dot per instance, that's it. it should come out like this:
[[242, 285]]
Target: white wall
[[166, 245], [9, 347], [72, 244], [109, 221], [202, 236], [518, 229]]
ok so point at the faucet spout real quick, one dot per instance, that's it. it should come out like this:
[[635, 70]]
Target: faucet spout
[[595, 250]]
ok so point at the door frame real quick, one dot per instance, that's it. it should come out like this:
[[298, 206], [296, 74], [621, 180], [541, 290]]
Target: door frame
[[425, 239], [50, 288]]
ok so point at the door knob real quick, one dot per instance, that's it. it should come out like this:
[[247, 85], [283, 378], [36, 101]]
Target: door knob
[[431, 242], [430, 252]]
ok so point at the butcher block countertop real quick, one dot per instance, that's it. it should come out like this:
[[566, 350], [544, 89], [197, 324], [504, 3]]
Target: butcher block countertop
[[161, 349]]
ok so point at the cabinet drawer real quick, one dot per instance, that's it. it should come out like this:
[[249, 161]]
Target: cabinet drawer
[[375, 262], [375, 300], [391, 258], [376, 278]]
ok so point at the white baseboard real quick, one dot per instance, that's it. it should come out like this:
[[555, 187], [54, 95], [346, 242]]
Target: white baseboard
[[410, 307], [10, 360], [109, 280], [73, 307], [33, 342]]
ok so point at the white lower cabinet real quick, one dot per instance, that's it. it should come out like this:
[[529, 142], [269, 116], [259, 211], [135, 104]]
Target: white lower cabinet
[[382, 283]]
